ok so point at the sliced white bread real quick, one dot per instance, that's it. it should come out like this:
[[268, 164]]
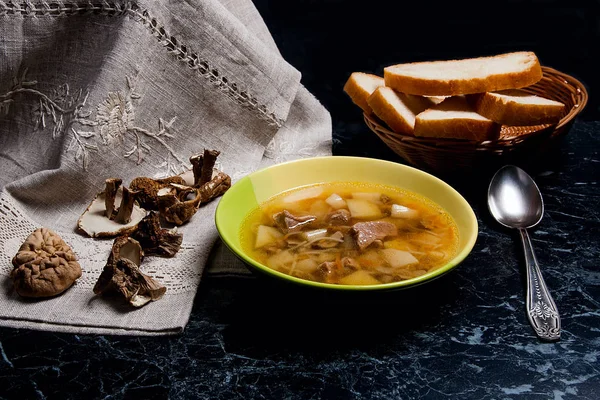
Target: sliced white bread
[[359, 87], [398, 110], [455, 118], [517, 107], [465, 76]]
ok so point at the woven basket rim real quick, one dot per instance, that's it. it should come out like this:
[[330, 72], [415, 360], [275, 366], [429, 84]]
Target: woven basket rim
[[568, 82]]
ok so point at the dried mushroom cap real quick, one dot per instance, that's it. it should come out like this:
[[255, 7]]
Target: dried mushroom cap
[[122, 274], [44, 266], [95, 223], [156, 240]]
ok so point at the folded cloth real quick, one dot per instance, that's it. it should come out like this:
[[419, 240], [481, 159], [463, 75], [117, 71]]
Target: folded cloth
[[90, 91]]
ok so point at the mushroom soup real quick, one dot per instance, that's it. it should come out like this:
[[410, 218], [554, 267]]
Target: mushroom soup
[[350, 233]]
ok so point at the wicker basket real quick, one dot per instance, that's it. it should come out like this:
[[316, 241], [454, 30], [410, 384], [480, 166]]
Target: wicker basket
[[516, 143]]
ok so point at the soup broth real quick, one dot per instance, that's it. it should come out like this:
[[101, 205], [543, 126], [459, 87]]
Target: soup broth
[[350, 233]]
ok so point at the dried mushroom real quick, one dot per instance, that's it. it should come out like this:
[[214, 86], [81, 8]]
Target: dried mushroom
[[156, 240], [44, 266], [178, 203], [100, 219], [148, 189], [216, 187], [122, 274], [174, 196], [205, 176]]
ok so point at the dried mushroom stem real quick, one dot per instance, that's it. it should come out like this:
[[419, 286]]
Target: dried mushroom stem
[[124, 214], [110, 192], [210, 158], [215, 187], [197, 161]]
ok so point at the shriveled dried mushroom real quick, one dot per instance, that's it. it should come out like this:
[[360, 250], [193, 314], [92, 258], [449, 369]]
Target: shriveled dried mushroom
[[44, 266], [204, 176], [216, 187], [96, 222], [203, 166], [156, 240], [122, 274], [148, 189], [178, 203]]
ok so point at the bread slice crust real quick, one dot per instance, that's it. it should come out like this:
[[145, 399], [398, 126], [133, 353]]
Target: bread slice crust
[[465, 76], [398, 110], [360, 86]]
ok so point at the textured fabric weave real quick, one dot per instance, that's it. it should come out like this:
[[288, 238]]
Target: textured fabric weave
[[92, 90]]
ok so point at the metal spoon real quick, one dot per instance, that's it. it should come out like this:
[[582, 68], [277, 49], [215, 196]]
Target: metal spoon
[[515, 201]]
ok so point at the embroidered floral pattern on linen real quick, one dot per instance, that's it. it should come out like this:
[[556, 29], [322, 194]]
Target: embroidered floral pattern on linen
[[174, 46], [65, 112]]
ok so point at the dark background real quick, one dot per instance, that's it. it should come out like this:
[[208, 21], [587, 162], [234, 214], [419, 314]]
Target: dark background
[[327, 40]]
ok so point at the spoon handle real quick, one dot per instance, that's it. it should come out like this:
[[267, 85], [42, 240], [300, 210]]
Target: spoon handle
[[541, 309]]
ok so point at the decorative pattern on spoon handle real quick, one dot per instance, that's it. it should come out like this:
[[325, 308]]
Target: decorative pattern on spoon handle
[[541, 309]]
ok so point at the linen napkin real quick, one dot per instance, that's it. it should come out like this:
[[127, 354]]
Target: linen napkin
[[93, 90]]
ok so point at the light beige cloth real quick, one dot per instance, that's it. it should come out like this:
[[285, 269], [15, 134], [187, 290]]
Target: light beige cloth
[[128, 89]]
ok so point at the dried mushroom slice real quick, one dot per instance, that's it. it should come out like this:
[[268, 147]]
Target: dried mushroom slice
[[44, 266], [95, 223], [122, 274], [156, 240]]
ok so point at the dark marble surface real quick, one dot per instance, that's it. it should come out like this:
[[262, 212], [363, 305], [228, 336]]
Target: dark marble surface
[[463, 336]]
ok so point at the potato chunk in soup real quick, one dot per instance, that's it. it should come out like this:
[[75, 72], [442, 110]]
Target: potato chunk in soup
[[350, 233]]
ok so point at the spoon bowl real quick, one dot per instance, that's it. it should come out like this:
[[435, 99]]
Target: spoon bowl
[[515, 201]]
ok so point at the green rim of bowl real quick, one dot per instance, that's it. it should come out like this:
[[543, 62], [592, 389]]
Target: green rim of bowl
[[242, 197]]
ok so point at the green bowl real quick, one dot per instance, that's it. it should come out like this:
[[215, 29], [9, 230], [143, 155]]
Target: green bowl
[[247, 193]]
